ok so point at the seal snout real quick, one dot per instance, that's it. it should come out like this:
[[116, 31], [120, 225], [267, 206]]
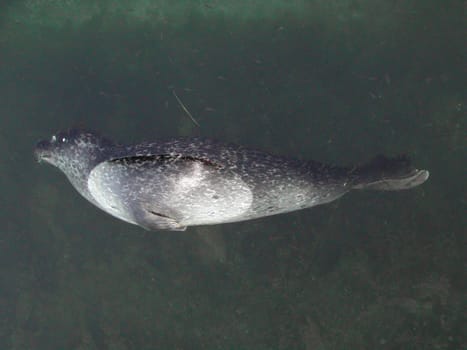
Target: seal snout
[[42, 150]]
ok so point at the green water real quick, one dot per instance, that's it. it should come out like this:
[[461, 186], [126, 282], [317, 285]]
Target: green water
[[336, 81]]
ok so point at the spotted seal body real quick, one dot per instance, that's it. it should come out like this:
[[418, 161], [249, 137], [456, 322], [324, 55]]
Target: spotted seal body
[[186, 182]]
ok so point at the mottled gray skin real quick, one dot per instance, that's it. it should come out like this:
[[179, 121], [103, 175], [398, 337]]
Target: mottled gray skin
[[185, 182]]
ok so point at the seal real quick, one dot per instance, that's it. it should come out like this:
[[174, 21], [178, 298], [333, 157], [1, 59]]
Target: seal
[[172, 184]]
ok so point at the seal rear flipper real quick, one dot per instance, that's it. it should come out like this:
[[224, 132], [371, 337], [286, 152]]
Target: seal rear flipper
[[388, 174]]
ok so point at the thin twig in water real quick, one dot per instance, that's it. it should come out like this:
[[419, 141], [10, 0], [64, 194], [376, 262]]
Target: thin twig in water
[[185, 109]]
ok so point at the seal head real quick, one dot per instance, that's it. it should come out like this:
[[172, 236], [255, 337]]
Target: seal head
[[75, 152]]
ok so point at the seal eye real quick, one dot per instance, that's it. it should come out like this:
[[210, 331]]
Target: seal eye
[[64, 139]]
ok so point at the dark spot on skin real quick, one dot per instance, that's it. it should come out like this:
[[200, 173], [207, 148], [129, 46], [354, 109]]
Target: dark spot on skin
[[215, 196]]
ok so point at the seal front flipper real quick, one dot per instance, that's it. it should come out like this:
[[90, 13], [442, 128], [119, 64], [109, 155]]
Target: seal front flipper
[[152, 221]]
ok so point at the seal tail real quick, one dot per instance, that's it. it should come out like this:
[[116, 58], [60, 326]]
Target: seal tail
[[388, 174]]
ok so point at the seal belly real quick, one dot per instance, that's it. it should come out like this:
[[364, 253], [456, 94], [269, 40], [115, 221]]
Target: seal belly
[[203, 195], [155, 192]]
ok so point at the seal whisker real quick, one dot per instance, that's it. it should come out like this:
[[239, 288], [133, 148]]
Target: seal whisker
[[185, 109]]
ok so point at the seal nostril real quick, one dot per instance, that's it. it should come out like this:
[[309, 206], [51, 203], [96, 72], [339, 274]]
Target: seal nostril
[[41, 145]]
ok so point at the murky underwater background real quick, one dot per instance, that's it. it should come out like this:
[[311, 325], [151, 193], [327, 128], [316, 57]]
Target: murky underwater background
[[336, 80]]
